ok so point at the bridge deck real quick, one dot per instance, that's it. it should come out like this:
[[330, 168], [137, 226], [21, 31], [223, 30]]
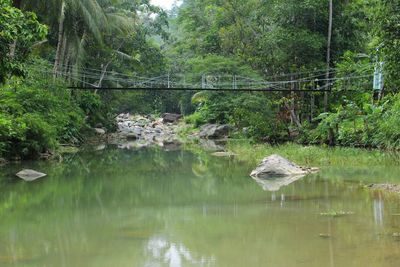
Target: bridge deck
[[195, 89]]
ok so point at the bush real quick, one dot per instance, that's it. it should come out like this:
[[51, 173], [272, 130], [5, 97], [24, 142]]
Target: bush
[[37, 136], [388, 126], [363, 124], [196, 119], [34, 119], [254, 112]]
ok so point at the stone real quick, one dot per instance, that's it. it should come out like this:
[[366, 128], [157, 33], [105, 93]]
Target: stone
[[132, 136], [214, 131], [100, 131], [3, 161], [137, 130], [30, 175], [211, 145], [323, 235], [46, 155], [99, 147], [392, 188], [171, 145], [277, 166], [171, 118], [124, 126]]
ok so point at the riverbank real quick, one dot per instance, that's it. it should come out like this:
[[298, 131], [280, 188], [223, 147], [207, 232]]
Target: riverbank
[[362, 162], [137, 132]]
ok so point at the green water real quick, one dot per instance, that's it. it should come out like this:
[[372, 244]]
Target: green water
[[151, 207]]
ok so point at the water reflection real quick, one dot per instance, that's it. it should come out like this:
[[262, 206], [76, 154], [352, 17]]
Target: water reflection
[[161, 251], [149, 207], [274, 184], [378, 210], [282, 200]]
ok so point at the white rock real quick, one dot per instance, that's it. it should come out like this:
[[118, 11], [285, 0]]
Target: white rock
[[100, 131], [276, 165], [30, 175]]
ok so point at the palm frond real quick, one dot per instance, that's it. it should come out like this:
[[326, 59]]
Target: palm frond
[[200, 97]]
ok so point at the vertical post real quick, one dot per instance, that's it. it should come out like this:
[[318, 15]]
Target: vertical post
[[168, 81], [292, 102], [313, 101]]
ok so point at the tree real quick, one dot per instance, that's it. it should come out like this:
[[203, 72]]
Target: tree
[[387, 29], [18, 32]]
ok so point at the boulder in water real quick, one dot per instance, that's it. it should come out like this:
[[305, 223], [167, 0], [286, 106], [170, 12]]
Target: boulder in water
[[277, 166], [30, 175], [214, 131], [100, 131], [212, 145], [170, 117]]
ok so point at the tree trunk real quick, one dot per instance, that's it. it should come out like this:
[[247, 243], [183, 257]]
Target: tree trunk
[[328, 54], [60, 39], [13, 46], [63, 50], [67, 67], [293, 115], [103, 73]]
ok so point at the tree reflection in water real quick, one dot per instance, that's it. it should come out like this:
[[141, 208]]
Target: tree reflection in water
[[161, 251], [378, 210]]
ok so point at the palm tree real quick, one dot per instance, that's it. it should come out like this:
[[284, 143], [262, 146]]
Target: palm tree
[[76, 19]]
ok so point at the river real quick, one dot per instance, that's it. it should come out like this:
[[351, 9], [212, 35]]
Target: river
[[151, 207]]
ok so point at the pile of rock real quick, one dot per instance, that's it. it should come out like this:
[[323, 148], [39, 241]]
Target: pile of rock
[[393, 188], [146, 130]]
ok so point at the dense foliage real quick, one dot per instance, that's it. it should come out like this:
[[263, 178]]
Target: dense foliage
[[34, 119], [276, 37], [89, 42], [18, 32], [387, 25]]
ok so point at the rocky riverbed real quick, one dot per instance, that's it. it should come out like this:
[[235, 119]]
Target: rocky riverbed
[[135, 131]]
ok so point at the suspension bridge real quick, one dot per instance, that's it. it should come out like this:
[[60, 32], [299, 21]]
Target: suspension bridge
[[308, 81]]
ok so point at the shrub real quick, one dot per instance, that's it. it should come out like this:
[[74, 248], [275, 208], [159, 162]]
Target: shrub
[[34, 119], [363, 124]]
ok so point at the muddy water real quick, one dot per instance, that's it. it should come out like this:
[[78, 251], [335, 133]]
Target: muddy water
[[151, 207]]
